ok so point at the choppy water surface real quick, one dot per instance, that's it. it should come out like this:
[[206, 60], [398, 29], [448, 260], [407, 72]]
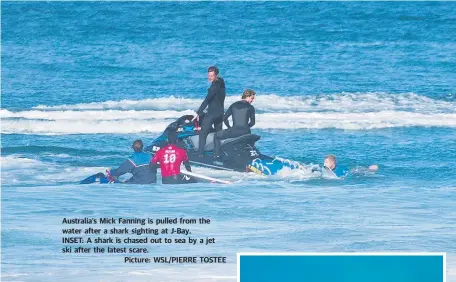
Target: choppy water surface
[[369, 82]]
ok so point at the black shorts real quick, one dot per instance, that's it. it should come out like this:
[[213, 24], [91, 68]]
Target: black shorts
[[178, 179]]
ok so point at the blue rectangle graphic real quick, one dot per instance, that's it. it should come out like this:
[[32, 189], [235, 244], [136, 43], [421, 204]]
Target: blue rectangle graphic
[[341, 268]]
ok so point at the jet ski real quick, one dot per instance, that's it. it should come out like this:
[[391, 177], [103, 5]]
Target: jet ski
[[238, 154]]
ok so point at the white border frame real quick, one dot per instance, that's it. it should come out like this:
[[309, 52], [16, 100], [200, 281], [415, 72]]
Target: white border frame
[[238, 255]]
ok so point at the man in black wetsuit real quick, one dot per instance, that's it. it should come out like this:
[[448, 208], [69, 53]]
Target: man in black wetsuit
[[243, 119], [215, 102]]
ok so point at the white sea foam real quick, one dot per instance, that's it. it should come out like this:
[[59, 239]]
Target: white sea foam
[[354, 121], [81, 127], [341, 102], [20, 170], [297, 120], [94, 115], [17, 162], [349, 111], [166, 103]]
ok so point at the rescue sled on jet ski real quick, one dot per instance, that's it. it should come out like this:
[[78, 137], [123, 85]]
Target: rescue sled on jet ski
[[238, 154]]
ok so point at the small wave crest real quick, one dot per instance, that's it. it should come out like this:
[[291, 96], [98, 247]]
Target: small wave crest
[[17, 169], [298, 120], [340, 102], [56, 150], [17, 161], [349, 111]]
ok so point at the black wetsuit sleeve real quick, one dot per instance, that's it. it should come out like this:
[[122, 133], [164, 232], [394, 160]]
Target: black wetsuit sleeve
[[187, 166], [228, 113], [252, 117], [211, 92], [125, 167]]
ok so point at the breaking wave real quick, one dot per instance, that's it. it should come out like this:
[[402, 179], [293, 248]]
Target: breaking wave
[[349, 111]]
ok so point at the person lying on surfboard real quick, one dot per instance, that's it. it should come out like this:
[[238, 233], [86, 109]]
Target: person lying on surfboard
[[170, 158], [138, 165], [330, 165]]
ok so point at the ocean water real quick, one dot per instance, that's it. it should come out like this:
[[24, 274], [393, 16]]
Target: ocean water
[[368, 82]]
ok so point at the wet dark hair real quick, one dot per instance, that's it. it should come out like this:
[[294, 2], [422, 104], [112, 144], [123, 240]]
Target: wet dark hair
[[137, 145], [214, 69], [172, 137]]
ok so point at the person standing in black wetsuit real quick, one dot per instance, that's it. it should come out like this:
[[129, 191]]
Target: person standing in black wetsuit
[[243, 119], [214, 101]]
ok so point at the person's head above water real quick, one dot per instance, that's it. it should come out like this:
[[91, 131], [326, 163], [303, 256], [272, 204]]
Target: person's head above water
[[137, 146], [212, 73], [330, 162], [249, 95], [172, 137]]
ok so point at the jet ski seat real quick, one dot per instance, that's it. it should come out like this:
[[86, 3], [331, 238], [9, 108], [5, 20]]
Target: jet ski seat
[[209, 142], [248, 138]]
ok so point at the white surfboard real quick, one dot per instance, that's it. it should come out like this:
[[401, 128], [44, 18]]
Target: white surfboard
[[196, 175]]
